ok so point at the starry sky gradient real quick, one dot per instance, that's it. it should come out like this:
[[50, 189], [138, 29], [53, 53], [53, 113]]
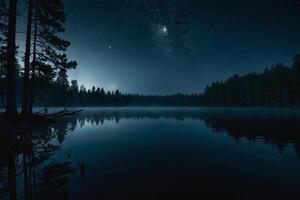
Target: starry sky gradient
[[160, 47]]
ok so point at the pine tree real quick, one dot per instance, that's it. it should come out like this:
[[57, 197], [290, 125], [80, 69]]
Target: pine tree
[[49, 57], [74, 86], [11, 107], [26, 81], [296, 79]]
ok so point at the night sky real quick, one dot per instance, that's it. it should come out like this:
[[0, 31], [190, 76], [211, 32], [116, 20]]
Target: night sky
[[168, 46]]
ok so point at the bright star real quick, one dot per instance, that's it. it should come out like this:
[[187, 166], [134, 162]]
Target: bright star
[[164, 29]]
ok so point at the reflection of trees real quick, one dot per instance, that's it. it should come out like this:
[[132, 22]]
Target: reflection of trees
[[278, 128], [97, 118], [3, 178], [54, 180], [23, 152], [275, 126]]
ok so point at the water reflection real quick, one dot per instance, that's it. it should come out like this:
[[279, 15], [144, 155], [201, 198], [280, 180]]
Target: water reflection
[[24, 154], [275, 126], [28, 172]]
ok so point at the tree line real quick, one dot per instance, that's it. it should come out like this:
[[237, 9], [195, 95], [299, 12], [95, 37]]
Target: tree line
[[278, 85], [73, 95]]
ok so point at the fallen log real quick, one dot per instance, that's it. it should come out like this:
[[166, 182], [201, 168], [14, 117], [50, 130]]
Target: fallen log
[[64, 113], [45, 117], [38, 117]]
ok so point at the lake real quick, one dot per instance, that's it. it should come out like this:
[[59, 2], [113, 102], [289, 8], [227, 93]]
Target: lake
[[155, 153]]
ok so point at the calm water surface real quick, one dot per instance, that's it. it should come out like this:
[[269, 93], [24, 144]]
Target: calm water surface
[[156, 153]]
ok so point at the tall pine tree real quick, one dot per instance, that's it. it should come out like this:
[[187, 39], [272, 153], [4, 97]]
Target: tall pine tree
[[49, 49], [26, 87], [11, 107]]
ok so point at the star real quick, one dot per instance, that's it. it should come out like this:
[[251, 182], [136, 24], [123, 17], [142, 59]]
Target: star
[[164, 29]]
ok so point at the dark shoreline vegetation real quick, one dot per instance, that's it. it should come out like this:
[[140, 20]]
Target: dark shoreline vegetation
[[42, 79]]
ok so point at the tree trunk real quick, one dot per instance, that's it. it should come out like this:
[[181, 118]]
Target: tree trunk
[[26, 87], [11, 107], [26, 178], [33, 62], [12, 182]]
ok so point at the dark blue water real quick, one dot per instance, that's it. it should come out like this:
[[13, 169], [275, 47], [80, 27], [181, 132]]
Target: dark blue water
[[166, 153]]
